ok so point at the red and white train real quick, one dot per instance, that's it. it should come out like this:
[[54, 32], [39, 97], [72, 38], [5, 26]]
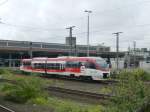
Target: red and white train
[[94, 68]]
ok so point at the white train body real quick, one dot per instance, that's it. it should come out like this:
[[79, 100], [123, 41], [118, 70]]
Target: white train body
[[95, 68]]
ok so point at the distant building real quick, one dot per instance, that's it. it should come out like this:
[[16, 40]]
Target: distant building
[[133, 57], [50, 47], [144, 49], [101, 48]]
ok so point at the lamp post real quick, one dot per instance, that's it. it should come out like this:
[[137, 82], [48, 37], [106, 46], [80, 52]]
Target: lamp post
[[88, 13]]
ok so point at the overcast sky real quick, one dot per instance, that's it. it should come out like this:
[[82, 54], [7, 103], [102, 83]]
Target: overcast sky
[[46, 21]]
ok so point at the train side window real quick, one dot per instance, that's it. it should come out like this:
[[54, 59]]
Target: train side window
[[48, 66], [39, 65], [90, 65], [73, 64], [53, 66], [68, 64], [57, 66]]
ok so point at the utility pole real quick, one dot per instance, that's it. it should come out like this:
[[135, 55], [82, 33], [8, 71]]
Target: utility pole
[[134, 47], [88, 27], [75, 49], [117, 47], [31, 55], [70, 35]]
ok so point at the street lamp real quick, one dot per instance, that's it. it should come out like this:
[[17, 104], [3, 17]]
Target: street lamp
[[88, 13]]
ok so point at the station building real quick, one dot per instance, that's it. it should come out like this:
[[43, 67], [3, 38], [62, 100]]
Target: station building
[[12, 51]]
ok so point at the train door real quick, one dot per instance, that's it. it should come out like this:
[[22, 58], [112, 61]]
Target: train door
[[38, 66], [73, 68]]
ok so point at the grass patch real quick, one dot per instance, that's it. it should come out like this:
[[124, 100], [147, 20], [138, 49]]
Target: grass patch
[[131, 93], [69, 106], [30, 90]]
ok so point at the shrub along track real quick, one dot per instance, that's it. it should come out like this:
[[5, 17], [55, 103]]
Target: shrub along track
[[81, 96]]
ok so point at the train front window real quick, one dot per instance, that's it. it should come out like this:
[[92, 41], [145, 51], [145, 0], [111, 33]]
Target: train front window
[[102, 63], [90, 65]]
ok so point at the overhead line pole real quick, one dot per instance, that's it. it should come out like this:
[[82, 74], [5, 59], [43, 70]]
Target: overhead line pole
[[117, 47], [70, 35], [31, 52], [134, 45]]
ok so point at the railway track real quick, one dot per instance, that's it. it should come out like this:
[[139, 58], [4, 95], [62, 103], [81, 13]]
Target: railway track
[[79, 93], [5, 109], [68, 91]]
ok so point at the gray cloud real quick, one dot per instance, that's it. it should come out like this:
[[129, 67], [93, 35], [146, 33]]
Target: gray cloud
[[46, 20]]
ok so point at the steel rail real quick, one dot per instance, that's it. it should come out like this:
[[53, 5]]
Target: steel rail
[[80, 93], [5, 109]]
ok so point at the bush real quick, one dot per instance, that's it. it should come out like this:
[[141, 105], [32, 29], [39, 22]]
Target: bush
[[130, 92], [5, 71], [24, 90], [138, 74], [141, 74]]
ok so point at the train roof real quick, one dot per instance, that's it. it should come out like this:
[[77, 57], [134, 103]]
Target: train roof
[[94, 58], [26, 59], [65, 58]]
